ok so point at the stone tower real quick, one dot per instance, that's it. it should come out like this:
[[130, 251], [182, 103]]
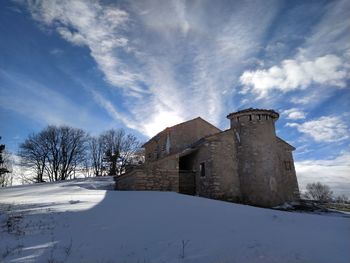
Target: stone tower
[[257, 153]]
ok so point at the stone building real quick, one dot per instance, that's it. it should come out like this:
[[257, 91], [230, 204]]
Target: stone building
[[247, 163]]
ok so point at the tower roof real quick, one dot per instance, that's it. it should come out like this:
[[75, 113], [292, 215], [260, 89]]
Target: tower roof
[[272, 113]]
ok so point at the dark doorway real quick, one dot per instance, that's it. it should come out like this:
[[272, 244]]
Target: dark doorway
[[187, 177]]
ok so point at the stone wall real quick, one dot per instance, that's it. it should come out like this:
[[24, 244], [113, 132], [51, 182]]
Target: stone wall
[[257, 154], [189, 132], [221, 180], [225, 166], [162, 175], [179, 137], [247, 163], [132, 180], [288, 184]]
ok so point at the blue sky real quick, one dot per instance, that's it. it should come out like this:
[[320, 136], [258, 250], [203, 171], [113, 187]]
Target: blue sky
[[146, 65]]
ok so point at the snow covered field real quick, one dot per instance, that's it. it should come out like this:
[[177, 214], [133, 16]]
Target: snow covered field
[[78, 221]]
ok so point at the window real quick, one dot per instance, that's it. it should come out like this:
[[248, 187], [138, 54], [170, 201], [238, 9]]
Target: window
[[250, 117], [288, 165], [259, 117], [202, 169]]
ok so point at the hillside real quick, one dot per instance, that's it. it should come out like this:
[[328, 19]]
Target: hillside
[[78, 221]]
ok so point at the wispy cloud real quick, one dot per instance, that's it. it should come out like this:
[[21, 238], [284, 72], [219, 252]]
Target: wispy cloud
[[42, 104], [334, 172], [56, 51], [175, 65], [306, 99], [111, 110], [324, 129], [194, 73], [98, 27], [171, 66], [331, 33]]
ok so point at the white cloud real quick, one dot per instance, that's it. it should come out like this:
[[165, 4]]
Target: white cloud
[[296, 74], [324, 129], [155, 15], [323, 59], [172, 66], [294, 114], [88, 23], [333, 172]]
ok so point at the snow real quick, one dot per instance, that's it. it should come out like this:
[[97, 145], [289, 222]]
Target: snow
[[79, 221]]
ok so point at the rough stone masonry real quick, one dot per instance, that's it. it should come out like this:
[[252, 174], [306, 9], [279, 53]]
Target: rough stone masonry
[[247, 163]]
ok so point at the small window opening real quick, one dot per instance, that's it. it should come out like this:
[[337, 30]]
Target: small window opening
[[288, 165], [250, 117], [202, 169], [259, 117], [267, 117]]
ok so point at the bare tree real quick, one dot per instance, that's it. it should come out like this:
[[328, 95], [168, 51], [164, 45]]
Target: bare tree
[[342, 199], [73, 150], [33, 153], [319, 192], [138, 157], [58, 153], [96, 151], [4, 169], [112, 140], [55, 153], [118, 148], [129, 150], [6, 176], [51, 142]]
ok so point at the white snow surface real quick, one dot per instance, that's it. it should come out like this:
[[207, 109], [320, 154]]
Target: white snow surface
[[80, 221]]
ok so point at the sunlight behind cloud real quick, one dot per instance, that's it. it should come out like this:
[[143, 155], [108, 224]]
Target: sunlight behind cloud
[[163, 62], [160, 122], [147, 65]]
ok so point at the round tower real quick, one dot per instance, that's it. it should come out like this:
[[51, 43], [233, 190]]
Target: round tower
[[257, 158]]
